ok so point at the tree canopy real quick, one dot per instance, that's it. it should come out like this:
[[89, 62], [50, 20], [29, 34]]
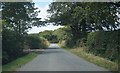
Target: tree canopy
[[84, 17], [20, 16], [17, 18]]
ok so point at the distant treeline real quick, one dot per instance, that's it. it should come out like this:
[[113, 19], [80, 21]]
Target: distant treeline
[[49, 35]]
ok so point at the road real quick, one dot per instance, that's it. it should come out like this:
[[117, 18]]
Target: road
[[57, 59]]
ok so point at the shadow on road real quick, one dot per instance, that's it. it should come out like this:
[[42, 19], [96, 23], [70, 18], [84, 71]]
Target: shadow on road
[[52, 52], [53, 48]]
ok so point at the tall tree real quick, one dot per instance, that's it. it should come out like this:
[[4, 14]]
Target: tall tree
[[83, 17], [19, 15]]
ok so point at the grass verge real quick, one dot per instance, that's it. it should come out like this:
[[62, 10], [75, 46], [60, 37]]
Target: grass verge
[[14, 65], [112, 66]]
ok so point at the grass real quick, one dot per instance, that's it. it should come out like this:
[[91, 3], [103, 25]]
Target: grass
[[14, 65], [112, 66]]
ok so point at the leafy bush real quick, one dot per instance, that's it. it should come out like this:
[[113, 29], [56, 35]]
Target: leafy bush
[[71, 42], [104, 43], [12, 45], [48, 34], [81, 42], [36, 42]]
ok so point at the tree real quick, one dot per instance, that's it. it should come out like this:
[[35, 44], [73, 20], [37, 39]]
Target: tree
[[48, 34], [17, 17], [63, 33], [84, 17]]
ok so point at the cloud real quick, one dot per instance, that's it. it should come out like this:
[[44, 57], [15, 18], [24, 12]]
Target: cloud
[[42, 6], [43, 11], [43, 28]]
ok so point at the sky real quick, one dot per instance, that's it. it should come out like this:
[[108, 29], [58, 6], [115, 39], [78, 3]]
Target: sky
[[43, 6]]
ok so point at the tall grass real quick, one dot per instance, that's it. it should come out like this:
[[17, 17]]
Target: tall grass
[[112, 66]]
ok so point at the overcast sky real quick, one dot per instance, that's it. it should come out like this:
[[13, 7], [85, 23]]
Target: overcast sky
[[43, 6]]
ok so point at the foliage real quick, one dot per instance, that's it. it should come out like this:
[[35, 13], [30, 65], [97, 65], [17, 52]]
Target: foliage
[[65, 37], [84, 17], [17, 17], [104, 44], [0, 26], [62, 33], [59, 35], [48, 34], [36, 42], [11, 46]]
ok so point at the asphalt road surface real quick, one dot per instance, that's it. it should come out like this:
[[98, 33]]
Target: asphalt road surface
[[57, 59]]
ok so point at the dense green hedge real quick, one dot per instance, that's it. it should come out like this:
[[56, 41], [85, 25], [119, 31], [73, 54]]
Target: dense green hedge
[[36, 42], [48, 34], [12, 45], [104, 43], [71, 42]]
